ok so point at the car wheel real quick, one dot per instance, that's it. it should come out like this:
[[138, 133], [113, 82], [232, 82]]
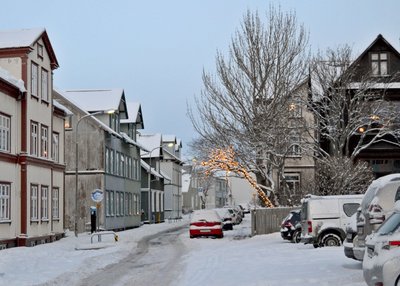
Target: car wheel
[[331, 239], [296, 236]]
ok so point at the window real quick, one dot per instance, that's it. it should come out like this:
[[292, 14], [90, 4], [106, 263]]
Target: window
[[127, 203], [107, 161], [111, 161], [117, 164], [44, 142], [379, 63], [122, 165], [5, 202], [40, 51], [294, 110], [55, 147], [34, 138], [44, 202], [34, 202], [55, 212], [117, 205], [5, 128], [68, 122], [350, 208], [293, 182], [34, 79], [110, 203], [45, 85], [121, 202], [294, 141]]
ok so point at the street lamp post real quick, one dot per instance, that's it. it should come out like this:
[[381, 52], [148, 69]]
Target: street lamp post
[[76, 162]]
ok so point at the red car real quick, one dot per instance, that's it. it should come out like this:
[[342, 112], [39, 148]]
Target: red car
[[205, 223]]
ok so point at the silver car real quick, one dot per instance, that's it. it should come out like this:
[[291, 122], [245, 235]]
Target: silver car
[[381, 264]]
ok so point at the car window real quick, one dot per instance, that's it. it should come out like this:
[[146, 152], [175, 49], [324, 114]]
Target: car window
[[350, 208], [397, 197], [390, 225]]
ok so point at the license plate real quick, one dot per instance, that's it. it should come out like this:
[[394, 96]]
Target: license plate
[[205, 230]]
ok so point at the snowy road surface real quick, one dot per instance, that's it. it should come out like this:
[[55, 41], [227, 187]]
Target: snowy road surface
[[172, 258], [156, 261]]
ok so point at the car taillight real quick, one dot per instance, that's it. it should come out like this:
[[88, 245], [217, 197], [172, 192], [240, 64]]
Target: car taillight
[[391, 244], [378, 284], [309, 223]]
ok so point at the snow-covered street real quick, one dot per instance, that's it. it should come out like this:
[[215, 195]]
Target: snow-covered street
[[236, 259]]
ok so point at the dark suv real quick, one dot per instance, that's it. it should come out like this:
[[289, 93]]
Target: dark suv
[[291, 227]]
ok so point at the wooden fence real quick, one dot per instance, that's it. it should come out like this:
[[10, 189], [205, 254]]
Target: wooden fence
[[264, 221]]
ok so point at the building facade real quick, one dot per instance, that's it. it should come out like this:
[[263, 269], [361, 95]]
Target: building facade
[[31, 141], [100, 157]]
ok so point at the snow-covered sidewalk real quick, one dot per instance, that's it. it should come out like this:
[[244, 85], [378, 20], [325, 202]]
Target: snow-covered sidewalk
[[23, 266]]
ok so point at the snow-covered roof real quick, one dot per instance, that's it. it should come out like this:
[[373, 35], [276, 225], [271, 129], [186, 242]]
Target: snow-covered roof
[[26, 38], [19, 38], [130, 141], [57, 104], [169, 138], [100, 99], [18, 83], [134, 115], [65, 97], [173, 156], [151, 142], [153, 171]]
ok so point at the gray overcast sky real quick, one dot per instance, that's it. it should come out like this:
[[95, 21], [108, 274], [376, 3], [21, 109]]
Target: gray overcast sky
[[156, 50]]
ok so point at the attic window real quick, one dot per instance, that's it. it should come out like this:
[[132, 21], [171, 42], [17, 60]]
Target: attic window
[[379, 64], [40, 51]]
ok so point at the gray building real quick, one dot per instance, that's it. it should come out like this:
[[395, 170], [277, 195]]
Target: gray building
[[108, 160]]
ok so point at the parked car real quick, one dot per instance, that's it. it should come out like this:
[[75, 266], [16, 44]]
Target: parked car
[[291, 227], [377, 204], [226, 217], [324, 218], [245, 207], [351, 236], [236, 218], [205, 223], [381, 264]]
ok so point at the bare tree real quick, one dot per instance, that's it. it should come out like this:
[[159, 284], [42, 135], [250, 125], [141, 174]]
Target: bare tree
[[245, 105], [353, 113]]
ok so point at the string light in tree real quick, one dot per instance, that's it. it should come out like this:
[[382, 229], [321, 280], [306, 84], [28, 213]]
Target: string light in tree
[[224, 159]]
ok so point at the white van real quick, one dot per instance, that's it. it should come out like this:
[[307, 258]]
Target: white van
[[377, 205], [324, 218]]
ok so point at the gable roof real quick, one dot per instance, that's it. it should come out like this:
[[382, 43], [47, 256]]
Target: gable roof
[[134, 114], [150, 142], [93, 100], [377, 39], [26, 38]]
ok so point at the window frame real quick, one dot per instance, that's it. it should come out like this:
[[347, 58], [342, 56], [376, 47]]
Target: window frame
[[34, 201], [379, 63], [44, 141], [44, 203], [34, 79], [44, 88], [34, 142], [55, 207], [5, 202], [55, 147], [5, 132]]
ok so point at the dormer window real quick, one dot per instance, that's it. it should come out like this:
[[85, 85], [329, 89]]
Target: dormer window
[[379, 64]]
